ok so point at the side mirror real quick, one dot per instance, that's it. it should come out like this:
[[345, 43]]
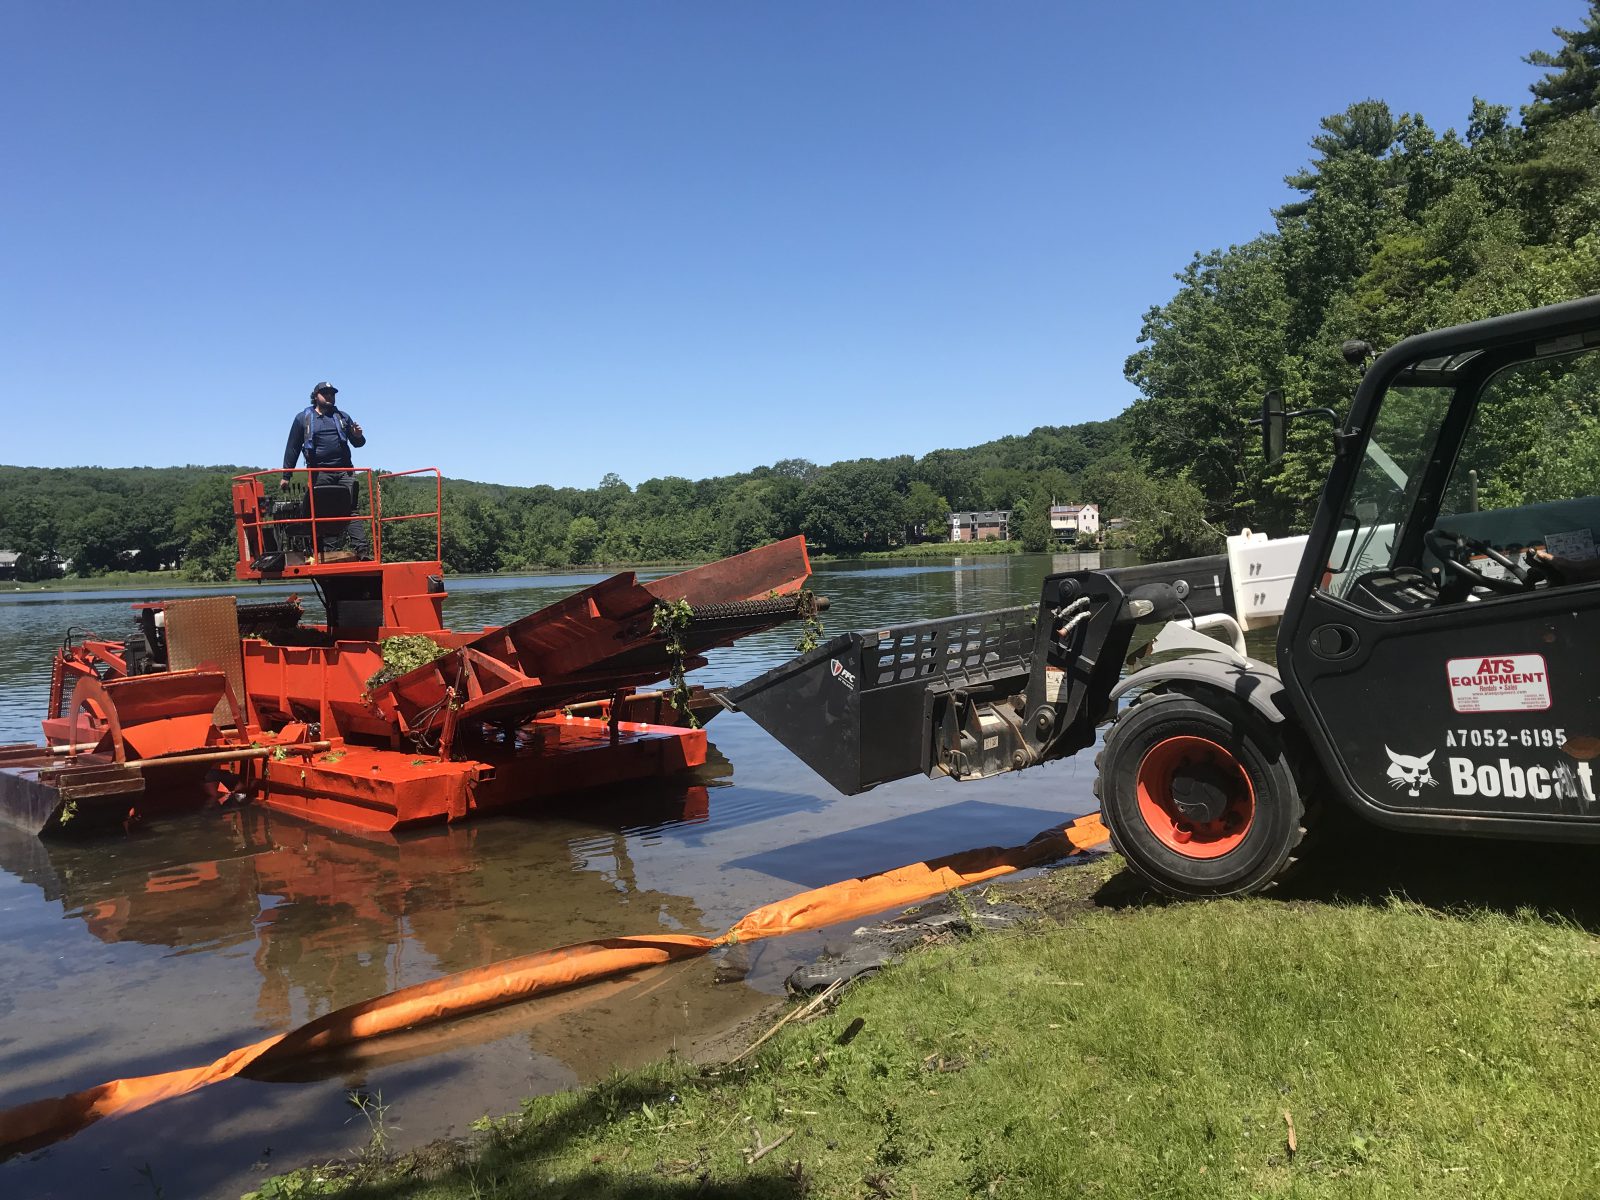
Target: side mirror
[[1274, 426]]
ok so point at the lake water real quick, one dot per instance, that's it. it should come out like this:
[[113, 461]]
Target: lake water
[[169, 947]]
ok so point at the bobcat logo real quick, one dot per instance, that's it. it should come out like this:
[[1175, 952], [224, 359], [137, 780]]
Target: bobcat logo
[[1410, 772]]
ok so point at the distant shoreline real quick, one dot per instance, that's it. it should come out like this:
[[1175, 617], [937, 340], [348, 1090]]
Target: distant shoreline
[[119, 581]]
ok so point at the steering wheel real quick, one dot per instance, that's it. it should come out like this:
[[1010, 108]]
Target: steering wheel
[[1454, 550]]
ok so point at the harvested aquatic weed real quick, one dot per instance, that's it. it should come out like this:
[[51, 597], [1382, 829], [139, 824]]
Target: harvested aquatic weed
[[672, 620], [811, 630], [404, 653]]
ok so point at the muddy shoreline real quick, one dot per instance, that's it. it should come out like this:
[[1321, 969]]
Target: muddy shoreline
[[1055, 893]]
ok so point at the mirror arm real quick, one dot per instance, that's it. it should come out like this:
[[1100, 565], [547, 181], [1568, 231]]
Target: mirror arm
[[1341, 436], [1303, 412], [1344, 440], [1312, 412]]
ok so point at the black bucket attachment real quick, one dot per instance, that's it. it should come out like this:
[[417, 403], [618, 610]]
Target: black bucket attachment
[[859, 710]]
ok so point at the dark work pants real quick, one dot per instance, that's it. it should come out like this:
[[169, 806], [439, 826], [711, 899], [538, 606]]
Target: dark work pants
[[334, 534]]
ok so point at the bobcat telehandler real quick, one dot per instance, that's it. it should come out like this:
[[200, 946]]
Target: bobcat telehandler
[[1437, 665]]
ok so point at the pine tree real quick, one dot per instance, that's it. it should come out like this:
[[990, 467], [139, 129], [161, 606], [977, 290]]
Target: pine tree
[[1573, 83]]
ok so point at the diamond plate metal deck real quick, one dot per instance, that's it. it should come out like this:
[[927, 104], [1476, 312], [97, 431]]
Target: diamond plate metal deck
[[206, 629]]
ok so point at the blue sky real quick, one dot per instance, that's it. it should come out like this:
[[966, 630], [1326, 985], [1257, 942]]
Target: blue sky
[[534, 243]]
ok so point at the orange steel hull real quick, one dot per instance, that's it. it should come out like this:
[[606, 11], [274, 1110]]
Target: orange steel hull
[[367, 790]]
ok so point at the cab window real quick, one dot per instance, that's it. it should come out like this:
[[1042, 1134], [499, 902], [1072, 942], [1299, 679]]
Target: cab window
[[1386, 485], [1529, 469], [1525, 480]]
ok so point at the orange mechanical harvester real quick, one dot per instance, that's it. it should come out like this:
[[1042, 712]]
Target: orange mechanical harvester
[[214, 699]]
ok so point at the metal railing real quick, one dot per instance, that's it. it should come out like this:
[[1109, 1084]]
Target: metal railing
[[283, 518], [437, 515]]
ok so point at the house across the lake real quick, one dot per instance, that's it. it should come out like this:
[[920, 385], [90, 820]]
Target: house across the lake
[[992, 525], [1074, 522]]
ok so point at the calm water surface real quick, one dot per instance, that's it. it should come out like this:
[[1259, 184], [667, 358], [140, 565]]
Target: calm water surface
[[168, 948]]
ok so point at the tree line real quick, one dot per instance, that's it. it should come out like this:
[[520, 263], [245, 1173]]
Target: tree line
[[102, 519], [1396, 228]]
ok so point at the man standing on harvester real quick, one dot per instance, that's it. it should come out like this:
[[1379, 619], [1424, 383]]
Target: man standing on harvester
[[324, 433]]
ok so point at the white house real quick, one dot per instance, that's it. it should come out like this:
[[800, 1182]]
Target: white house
[[1069, 522]]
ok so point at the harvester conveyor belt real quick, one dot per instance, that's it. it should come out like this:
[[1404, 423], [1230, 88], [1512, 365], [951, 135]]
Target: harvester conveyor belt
[[602, 641]]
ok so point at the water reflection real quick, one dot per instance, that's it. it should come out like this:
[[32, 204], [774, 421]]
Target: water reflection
[[329, 916]]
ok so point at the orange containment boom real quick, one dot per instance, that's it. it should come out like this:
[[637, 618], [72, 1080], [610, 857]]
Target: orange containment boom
[[29, 1126]]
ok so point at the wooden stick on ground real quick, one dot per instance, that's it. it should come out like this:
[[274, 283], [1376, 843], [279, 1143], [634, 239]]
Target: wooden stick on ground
[[768, 1149], [791, 1015]]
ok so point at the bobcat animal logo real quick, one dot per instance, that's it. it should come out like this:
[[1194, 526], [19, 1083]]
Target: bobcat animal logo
[[1410, 772]]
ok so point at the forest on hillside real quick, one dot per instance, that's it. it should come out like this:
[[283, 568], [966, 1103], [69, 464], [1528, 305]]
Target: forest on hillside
[[103, 519], [1396, 228]]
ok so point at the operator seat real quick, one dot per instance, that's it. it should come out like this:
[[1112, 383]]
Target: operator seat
[[332, 504]]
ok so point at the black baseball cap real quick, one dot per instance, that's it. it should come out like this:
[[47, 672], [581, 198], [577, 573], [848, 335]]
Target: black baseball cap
[[324, 387]]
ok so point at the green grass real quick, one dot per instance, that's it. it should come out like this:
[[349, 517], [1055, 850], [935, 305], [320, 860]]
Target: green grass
[[1149, 1052], [111, 579], [944, 550], [121, 580]]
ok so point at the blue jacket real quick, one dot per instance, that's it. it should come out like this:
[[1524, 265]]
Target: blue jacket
[[325, 441]]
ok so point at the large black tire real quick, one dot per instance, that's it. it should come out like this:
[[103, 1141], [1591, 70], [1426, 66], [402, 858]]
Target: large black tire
[[1200, 795]]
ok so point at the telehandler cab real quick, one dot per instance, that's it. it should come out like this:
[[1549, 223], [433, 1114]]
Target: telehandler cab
[[1436, 664]]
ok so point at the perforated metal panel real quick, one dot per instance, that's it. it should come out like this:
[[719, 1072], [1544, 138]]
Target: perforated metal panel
[[960, 650], [206, 629]]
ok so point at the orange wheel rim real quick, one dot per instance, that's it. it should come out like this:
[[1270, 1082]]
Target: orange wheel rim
[[1195, 797]]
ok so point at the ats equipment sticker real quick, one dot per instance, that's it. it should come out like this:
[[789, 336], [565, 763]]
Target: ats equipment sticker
[[1515, 683]]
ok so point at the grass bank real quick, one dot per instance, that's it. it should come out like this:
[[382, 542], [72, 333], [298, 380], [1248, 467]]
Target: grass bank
[[1338, 1046], [941, 550], [110, 580]]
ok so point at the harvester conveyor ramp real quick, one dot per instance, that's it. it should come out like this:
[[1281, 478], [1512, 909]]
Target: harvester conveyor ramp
[[603, 640]]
